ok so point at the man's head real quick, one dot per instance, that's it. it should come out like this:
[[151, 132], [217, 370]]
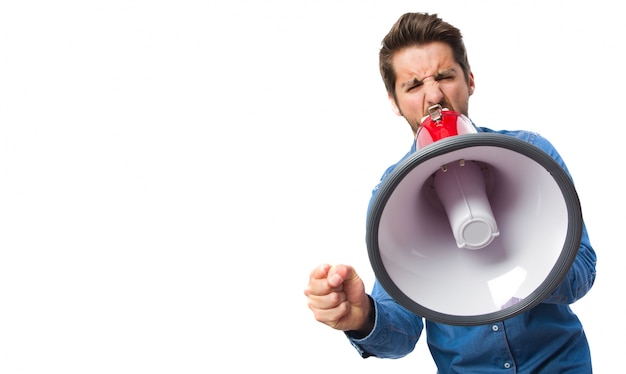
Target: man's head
[[423, 62]]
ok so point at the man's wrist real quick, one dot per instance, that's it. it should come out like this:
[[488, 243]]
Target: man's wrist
[[368, 326]]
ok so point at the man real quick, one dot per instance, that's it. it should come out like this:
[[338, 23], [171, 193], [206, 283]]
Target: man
[[423, 62]]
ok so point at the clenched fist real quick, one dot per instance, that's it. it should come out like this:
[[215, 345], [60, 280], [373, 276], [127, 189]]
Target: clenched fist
[[337, 297]]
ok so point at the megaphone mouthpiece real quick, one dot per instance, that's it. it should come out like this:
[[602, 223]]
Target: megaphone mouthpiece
[[441, 124]]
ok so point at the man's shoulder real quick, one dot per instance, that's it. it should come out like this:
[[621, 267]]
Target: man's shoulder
[[515, 133]]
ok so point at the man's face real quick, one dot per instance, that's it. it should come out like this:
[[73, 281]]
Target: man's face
[[428, 75]]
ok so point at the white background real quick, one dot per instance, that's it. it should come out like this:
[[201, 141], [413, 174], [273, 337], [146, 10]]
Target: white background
[[171, 171]]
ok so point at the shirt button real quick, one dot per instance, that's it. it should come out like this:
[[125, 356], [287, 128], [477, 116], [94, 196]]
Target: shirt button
[[507, 365], [495, 328]]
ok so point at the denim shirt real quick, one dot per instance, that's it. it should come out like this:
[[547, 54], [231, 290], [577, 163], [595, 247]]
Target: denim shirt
[[548, 338]]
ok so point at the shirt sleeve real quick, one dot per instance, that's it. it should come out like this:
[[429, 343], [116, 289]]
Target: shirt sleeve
[[396, 330]]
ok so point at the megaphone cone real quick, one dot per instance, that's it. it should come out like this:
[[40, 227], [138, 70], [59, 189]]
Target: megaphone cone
[[510, 256]]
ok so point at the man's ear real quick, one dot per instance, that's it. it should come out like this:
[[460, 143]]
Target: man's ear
[[472, 85], [394, 106]]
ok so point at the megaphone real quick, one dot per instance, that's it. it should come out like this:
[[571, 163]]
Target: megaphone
[[472, 228]]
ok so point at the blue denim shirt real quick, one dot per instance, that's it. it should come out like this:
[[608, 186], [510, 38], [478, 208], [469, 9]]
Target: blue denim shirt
[[546, 339]]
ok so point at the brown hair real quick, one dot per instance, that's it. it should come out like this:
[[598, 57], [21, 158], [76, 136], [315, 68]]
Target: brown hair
[[418, 29]]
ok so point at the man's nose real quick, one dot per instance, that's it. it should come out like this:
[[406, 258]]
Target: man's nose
[[432, 92]]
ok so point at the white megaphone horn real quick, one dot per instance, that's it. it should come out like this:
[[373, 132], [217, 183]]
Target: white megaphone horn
[[473, 227]]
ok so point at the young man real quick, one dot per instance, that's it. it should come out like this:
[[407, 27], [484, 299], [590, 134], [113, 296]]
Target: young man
[[423, 62]]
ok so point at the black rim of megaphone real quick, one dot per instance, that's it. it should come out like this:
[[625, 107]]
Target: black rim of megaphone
[[443, 146]]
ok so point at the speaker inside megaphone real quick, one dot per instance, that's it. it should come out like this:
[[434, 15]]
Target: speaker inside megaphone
[[472, 250]]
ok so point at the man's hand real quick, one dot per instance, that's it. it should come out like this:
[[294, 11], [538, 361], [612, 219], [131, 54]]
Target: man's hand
[[337, 297]]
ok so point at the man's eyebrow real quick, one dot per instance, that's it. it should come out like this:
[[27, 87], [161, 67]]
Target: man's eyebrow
[[445, 72], [415, 81], [412, 82]]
